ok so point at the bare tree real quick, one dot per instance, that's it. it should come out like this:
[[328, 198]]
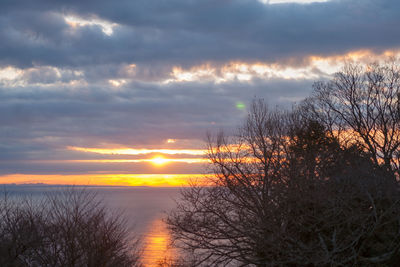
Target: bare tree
[[360, 105], [285, 192], [225, 223], [70, 228], [21, 231]]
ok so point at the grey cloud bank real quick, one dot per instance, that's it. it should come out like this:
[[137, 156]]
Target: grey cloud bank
[[76, 85], [191, 32]]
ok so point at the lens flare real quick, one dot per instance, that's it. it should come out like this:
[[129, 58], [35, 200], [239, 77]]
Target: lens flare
[[240, 105]]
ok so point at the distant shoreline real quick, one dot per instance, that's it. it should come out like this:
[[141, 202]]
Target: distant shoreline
[[93, 186]]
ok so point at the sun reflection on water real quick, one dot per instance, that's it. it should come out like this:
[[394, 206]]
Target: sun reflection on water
[[156, 244]]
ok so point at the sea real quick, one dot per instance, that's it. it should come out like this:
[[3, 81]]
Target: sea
[[144, 209]]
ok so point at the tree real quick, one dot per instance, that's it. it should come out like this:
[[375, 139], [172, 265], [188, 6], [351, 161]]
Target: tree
[[286, 192], [360, 106], [72, 228]]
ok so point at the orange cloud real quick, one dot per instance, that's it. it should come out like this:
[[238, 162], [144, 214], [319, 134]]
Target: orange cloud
[[310, 67], [157, 160], [133, 151]]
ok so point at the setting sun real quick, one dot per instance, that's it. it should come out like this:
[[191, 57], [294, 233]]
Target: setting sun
[[200, 133], [159, 161]]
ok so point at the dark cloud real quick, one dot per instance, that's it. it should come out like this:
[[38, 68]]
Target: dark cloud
[[66, 168], [139, 115], [190, 32], [63, 95]]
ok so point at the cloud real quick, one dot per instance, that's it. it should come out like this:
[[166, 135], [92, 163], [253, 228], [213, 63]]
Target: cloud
[[136, 73], [189, 33], [38, 119]]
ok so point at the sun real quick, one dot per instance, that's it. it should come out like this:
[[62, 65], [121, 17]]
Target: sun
[[159, 160]]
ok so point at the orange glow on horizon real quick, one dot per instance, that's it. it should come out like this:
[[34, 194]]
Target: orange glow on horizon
[[161, 180]]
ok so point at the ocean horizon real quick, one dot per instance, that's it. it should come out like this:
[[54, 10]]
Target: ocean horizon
[[143, 207]]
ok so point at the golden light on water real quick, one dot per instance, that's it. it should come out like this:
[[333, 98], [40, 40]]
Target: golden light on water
[[157, 245]]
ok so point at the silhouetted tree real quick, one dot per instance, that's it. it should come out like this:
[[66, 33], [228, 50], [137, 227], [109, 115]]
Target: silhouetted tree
[[360, 106], [286, 192], [72, 228]]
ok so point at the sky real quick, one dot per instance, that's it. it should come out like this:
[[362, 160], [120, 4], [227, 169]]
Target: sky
[[124, 92]]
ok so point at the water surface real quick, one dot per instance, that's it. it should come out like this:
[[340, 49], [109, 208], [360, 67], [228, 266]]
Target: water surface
[[144, 209]]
